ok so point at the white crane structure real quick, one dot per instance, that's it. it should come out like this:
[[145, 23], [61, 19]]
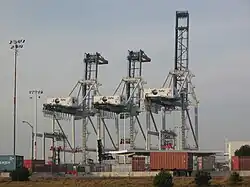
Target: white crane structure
[[130, 99]]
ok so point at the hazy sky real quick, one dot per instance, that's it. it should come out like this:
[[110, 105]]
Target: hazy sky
[[59, 32]]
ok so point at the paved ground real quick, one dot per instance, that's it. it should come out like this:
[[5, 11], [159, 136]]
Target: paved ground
[[214, 174]]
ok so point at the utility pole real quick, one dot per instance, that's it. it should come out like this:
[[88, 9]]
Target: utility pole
[[36, 94], [15, 46], [32, 138]]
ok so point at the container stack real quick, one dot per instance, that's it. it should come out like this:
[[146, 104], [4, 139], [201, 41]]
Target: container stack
[[50, 168], [10, 163], [32, 164]]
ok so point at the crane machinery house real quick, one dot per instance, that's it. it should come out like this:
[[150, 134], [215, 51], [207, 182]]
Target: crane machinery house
[[160, 92], [63, 101], [112, 100]]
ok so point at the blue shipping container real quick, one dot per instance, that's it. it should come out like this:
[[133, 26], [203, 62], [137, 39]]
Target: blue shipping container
[[10, 162]]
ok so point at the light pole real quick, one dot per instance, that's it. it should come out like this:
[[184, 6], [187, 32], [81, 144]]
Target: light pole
[[32, 139], [15, 45], [36, 94]]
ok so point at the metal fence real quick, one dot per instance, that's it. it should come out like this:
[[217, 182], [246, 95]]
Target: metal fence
[[101, 168], [122, 165], [122, 168]]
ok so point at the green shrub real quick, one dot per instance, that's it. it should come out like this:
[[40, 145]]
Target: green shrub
[[163, 179], [20, 174], [235, 178], [202, 178], [243, 151]]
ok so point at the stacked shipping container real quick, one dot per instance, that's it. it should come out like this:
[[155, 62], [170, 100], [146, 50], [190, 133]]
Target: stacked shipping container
[[138, 164], [10, 162], [171, 160], [50, 168], [30, 164], [240, 163]]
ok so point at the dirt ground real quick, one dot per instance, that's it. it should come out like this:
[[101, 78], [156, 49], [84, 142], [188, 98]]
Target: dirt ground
[[108, 182]]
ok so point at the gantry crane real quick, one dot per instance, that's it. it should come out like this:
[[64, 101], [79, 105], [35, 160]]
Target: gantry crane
[[128, 103], [79, 107], [176, 90]]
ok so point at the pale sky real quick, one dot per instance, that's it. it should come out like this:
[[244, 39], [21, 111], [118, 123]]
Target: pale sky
[[59, 32]]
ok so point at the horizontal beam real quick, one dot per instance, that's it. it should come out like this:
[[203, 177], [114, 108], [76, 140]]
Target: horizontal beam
[[39, 135], [153, 133]]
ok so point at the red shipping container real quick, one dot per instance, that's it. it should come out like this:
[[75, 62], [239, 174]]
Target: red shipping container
[[138, 164], [27, 164], [171, 160], [50, 168], [31, 163], [244, 163], [44, 168], [235, 163]]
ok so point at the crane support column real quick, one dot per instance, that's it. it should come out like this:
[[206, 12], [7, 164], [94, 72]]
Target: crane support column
[[196, 124], [181, 66], [73, 139]]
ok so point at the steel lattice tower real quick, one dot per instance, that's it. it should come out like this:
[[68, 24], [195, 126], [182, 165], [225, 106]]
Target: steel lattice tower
[[135, 61], [92, 61], [181, 66]]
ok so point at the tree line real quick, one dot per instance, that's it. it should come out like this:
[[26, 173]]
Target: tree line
[[243, 151]]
